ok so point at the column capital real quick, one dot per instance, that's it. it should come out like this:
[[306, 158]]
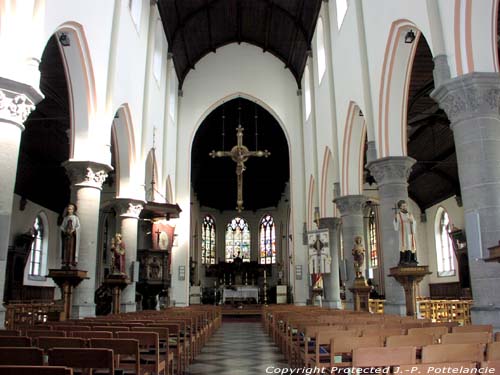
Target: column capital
[[350, 204], [391, 169], [128, 207], [17, 101], [332, 223], [470, 95], [87, 173]]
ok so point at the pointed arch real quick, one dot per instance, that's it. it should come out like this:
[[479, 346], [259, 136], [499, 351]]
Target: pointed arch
[[310, 202], [267, 240], [169, 192], [122, 134], [327, 208], [80, 78], [394, 85], [151, 176], [353, 151]]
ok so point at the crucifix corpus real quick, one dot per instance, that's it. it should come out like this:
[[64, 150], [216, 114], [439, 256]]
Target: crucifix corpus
[[239, 154]]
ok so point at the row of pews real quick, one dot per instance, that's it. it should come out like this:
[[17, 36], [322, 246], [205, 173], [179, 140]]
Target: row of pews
[[147, 342], [340, 341]]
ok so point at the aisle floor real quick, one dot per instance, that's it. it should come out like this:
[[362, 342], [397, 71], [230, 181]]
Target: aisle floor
[[238, 349]]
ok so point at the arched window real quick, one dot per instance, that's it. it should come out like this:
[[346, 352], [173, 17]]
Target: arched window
[[37, 248], [341, 11], [372, 238], [172, 96], [320, 47], [307, 92], [267, 240], [157, 54], [444, 248], [208, 241], [237, 240]]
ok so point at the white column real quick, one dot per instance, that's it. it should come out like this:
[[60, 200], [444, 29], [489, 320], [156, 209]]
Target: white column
[[16, 103], [332, 279], [86, 179], [129, 210]]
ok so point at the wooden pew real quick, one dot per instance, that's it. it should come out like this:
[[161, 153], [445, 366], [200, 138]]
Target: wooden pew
[[148, 343], [493, 351], [453, 353], [35, 370], [10, 332], [47, 343], [83, 358], [92, 334], [383, 357], [473, 328], [495, 365], [21, 356], [436, 332], [466, 338], [126, 351], [434, 368], [15, 341]]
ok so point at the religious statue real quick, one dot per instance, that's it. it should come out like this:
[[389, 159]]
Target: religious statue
[[405, 224], [117, 255], [358, 253], [70, 237]]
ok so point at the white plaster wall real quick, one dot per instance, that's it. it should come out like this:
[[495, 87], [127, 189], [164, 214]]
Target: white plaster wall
[[239, 69], [323, 102], [129, 71], [22, 221]]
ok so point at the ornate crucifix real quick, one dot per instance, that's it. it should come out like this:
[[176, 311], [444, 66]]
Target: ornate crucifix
[[239, 154]]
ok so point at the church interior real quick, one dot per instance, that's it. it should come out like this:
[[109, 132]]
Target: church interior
[[319, 174]]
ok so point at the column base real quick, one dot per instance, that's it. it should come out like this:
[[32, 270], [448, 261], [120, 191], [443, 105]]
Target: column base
[[128, 307], [83, 311], [486, 315], [333, 304], [395, 308]]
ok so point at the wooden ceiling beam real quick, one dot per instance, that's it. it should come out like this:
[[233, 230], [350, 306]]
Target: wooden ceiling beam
[[269, 18], [239, 21], [209, 23]]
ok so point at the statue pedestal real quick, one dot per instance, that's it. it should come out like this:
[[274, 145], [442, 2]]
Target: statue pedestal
[[361, 294], [117, 282], [409, 277], [67, 279]]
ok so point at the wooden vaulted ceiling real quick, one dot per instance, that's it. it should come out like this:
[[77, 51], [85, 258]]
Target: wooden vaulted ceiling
[[430, 139], [195, 28]]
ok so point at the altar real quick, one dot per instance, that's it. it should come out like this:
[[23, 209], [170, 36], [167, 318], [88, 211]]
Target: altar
[[240, 293]]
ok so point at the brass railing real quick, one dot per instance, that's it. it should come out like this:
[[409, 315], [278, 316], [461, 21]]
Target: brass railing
[[30, 313], [445, 310]]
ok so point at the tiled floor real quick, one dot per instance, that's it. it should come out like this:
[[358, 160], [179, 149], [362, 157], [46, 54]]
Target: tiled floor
[[237, 349]]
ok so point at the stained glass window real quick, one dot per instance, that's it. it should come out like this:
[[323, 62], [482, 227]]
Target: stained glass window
[[372, 237], [36, 248], [237, 240], [444, 248], [267, 240], [208, 241]]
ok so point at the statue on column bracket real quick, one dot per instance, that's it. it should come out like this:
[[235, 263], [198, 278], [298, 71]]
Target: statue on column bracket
[[358, 253], [70, 237], [117, 255], [405, 224]]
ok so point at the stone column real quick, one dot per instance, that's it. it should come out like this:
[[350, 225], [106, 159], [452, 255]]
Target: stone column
[[351, 212], [16, 103], [129, 210], [472, 104], [332, 280], [86, 179], [391, 174]]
